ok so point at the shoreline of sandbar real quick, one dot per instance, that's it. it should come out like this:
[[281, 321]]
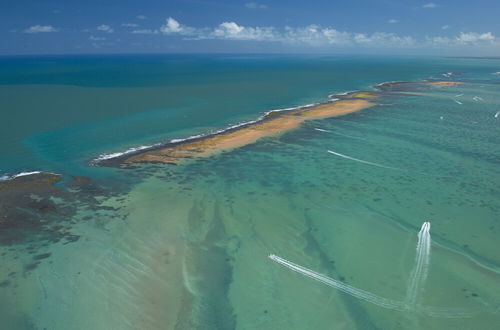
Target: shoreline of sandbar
[[271, 123]]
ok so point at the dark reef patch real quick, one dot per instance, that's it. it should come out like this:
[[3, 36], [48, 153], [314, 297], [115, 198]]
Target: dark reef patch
[[4, 284], [38, 210], [42, 256]]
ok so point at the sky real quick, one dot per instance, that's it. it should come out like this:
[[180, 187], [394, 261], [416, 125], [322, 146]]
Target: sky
[[442, 27]]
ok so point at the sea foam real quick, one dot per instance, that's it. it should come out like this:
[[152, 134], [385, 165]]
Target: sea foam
[[194, 137]]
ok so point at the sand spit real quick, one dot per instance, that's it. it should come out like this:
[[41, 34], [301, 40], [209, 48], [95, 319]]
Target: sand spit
[[445, 83], [415, 86], [274, 122]]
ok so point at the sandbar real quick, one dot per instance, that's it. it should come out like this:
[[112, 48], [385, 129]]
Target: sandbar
[[446, 83], [273, 123]]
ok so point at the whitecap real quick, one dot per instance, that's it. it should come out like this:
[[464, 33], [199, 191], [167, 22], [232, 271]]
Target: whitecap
[[193, 137], [7, 177]]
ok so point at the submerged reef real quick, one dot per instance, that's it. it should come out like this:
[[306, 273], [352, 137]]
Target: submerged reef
[[272, 123], [39, 208]]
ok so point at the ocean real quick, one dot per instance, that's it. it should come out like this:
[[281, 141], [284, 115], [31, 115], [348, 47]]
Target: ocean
[[340, 202]]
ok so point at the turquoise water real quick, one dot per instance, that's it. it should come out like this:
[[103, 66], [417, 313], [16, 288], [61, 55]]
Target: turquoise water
[[185, 247]]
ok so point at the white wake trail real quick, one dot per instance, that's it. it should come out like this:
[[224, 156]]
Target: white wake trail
[[358, 293], [363, 161], [415, 286], [349, 136], [421, 268]]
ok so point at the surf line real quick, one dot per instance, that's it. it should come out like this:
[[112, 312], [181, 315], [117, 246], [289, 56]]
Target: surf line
[[421, 267], [363, 161]]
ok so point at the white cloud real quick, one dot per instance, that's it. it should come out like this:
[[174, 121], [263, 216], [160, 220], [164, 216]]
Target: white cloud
[[311, 35], [231, 30], [105, 28], [392, 21], [141, 17], [472, 37], [130, 24], [255, 5], [464, 39], [429, 5], [316, 35], [171, 26], [383, 39], [445, 27], [145, 31], [40, 29], [96, 38]]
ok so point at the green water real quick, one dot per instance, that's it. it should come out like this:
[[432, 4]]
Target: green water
[[186, 247]]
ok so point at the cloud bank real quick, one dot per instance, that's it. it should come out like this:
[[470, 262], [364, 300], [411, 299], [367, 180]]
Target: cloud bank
[[316, 35], [40, 29]]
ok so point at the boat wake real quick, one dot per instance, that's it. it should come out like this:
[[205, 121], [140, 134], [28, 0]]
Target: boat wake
[[421, 268], [363, 161], [415, 285], [358, 293], [337, 133]]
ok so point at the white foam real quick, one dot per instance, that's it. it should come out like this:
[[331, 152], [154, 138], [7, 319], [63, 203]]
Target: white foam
[[417, 280], [7, 177], [496, 73], [358, 293], [389, 83], [343, 94], [118, 154], [477, 98], [497, 114], [135, 149], [323, 130], [421, 268], [457, 101]]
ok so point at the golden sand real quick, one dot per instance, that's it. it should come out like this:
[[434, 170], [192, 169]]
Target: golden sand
[[363, 95], [273, 123], [445, 83]]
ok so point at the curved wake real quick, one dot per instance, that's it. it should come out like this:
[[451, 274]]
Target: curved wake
[[358, 293], [415, 285]]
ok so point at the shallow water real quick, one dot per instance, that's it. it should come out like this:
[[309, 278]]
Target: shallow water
[[186, 247]]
